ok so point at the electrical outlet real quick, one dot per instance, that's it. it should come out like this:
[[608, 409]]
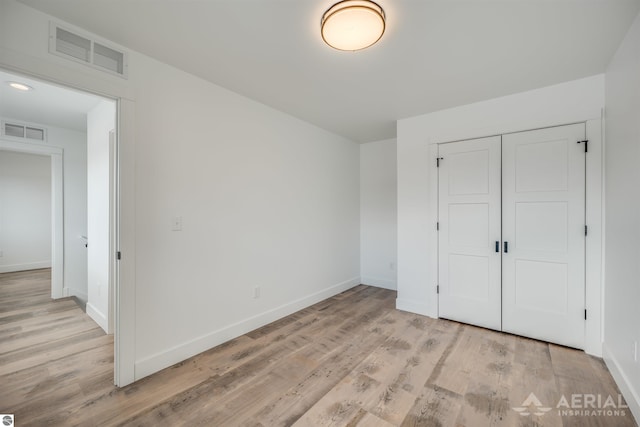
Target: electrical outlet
[[256, 292], [176, 223], [392, 266]]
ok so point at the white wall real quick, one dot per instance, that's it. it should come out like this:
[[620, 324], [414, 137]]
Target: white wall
[[622, 176], [570, 102], [74, 146], [266, 200], [378, 212], [100, 121], [25, 211]]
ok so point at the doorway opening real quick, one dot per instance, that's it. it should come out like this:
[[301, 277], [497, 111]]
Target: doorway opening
[[79, 136]]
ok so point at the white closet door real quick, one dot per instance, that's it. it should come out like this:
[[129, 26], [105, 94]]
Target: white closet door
[[543, 220], [469, 216]]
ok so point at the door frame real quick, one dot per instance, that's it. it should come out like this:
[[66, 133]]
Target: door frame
[[594, 219], [124, 281], [57, 207]]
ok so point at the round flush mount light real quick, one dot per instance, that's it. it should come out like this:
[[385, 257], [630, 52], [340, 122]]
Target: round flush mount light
[[353, 24], [20, 86]]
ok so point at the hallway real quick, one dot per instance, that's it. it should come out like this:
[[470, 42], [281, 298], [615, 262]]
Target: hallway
[[51, 353]]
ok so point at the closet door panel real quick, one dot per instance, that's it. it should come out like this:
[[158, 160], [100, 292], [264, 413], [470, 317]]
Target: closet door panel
[[543, 219], [469, 217]]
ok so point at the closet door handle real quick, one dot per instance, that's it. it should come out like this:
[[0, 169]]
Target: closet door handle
[[497, 246], [506, 247]]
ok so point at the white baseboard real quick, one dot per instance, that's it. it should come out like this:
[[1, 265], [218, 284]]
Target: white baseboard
[[379, 283], [414, 307], [97, 316], [25, 266], [70, 292], [171, 356], [622, 380]]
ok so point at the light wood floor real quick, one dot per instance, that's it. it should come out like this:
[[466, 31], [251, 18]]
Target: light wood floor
[[350, 360]]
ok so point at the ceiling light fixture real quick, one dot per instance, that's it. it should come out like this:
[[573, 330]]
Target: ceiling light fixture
[[20, 86], [353, 24]]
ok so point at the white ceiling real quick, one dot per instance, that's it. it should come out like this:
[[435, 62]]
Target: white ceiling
[[435, 54], [46, 104]]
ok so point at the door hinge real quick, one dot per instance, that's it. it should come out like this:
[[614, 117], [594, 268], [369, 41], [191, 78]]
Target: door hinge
[[438, 161], [437, 226], [586, 144], [585, 314], [437, 289], [586, 230], [118, 255]]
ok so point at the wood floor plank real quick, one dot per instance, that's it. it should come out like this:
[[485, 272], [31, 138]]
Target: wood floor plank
[[38, 379], [297, 400], [369, 420], [407, 365], [350, 360], [37, 322], [575, 374], [434, 406], [532, 373], [520, 387], [59, 374], [55, 331], [13, 316], [452, 372], [40, 352], [484, 402]]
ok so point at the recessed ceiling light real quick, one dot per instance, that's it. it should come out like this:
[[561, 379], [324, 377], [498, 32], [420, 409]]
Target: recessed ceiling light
[[20, 86], [353, 24]]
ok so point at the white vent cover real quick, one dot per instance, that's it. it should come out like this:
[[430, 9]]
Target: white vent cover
[[16, 130], [84, 49]]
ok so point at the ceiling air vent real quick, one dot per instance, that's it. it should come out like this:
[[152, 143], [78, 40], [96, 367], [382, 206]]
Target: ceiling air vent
[[85, 49], [15, 130]]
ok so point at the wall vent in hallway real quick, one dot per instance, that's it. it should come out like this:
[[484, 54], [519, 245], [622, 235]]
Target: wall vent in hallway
[[86, 50], [17, 130]]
